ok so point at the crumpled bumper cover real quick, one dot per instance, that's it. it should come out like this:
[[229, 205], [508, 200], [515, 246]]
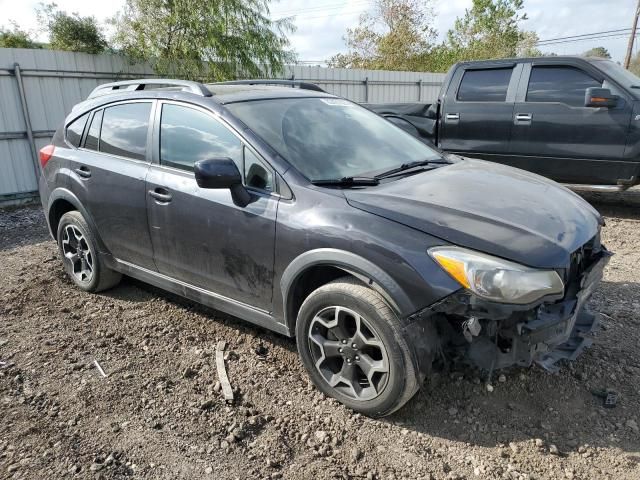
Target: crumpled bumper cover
[[544, 333]]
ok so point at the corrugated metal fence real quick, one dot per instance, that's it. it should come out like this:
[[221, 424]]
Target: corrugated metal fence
[[39, 87]]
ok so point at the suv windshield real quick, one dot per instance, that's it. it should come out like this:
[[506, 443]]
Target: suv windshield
[[330, 137]]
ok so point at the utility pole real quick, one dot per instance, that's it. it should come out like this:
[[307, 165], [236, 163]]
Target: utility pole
[[627, 59]]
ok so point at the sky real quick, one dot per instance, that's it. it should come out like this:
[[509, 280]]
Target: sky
[[322, 24]]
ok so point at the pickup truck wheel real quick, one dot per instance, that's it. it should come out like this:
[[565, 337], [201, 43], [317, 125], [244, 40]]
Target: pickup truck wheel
[[352, 345], [78, 249]]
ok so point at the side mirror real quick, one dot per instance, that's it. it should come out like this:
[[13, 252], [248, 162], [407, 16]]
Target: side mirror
[[217, 173], [599, 97], [222, 173]]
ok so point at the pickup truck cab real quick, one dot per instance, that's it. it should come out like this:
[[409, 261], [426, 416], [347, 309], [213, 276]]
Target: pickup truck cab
[[573, 119]]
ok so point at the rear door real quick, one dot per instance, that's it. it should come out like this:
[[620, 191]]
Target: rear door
[[476, 118], [555, 135], [200, 236], [108, 175]]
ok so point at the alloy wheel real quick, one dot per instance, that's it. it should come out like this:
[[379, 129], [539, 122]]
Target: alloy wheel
[[77, 253], [348, 353]]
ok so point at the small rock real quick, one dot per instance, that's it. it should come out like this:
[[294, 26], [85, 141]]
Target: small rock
[[95, 467], [453, 411], [208, 470], [489, 387], [539, 442], [321, 436], [189, 373], [502, 378], [207, 405], [633, 425], [356, 454], [553, 450], [230, 438]]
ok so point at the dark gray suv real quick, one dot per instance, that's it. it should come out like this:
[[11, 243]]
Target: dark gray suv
[[309, 215]]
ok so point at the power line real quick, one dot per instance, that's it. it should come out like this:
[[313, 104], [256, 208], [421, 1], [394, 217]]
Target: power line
[[620, 30], [600, 37], [320, 8]]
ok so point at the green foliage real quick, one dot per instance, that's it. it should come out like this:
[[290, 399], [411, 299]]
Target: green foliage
[[597, 52], [71, 32], [16, 38], [398, 36], [634, 65], [392, 37], [204, 39]]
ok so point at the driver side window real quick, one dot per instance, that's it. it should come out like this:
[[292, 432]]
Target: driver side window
[[188, 135], [256, 174]]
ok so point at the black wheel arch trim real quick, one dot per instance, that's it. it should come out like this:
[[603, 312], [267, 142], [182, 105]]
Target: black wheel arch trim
[[62, 193], [366, 271]]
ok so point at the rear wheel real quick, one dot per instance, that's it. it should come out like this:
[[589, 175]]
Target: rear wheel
[[78, 249], [353, 347]]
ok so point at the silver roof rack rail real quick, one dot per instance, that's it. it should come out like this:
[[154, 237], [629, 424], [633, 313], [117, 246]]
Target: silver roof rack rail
[[141, 84], [291, 83]]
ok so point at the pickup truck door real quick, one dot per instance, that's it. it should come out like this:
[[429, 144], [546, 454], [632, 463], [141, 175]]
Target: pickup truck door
[[555, 135], [477, 113]]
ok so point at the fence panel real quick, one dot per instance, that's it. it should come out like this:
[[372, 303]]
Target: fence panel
[[54, 81]]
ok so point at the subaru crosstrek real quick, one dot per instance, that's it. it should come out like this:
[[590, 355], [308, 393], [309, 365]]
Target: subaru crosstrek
[[307, 214]]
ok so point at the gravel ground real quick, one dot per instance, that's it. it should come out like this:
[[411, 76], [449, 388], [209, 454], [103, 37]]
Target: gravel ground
[[160, 413]]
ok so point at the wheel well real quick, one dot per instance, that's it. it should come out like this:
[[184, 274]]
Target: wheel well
[[307, 282], [58, 209]]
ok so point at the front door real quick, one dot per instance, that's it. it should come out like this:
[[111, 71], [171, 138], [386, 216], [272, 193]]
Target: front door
[[200, 236], [555, 135]]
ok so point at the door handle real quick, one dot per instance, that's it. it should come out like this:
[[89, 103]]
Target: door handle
[[83, 172], [452, 116], [523, 119], [161, 195]]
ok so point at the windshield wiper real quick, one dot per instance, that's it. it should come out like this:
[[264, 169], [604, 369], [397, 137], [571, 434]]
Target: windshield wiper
[[347, 182], [409, 166]]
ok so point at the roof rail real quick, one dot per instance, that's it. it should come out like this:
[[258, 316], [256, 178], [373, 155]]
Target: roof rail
[[292, 83], [141, 84]]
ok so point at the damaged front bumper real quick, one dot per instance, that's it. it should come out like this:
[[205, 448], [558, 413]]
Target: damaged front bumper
[[492, 335]]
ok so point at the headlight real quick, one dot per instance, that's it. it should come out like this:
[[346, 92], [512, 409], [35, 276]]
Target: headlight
[[496, 279]]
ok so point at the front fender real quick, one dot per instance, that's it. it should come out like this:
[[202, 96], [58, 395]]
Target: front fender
[[360, 267]]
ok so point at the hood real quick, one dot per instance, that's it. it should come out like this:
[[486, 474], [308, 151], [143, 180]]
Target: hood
[[488, 207]]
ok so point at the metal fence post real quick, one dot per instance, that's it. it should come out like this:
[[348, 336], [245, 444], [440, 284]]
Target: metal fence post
[[366, 90], [27, 122], [420, 90]]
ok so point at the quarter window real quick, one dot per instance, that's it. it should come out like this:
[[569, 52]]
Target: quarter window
[[559, 84], [75, 129], [188, 135], [124, 130], [256, 174], [93, 136], [485, 85]]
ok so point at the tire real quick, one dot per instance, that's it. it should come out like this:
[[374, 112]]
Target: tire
[[375, 394], [83, 265]]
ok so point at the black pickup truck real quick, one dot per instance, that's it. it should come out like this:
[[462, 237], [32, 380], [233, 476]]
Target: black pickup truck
[[573, 119]]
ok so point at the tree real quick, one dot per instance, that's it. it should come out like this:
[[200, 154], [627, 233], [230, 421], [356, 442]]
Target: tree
[[634, 65], [395, 36], [204, 39], [71, 32], [490, 29], [597, 52], [16, 38]]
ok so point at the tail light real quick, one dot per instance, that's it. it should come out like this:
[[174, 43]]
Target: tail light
[[45, 154]]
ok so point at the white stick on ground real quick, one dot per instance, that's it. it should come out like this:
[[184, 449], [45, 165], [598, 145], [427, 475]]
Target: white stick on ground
[[222, 372], [95, 362]]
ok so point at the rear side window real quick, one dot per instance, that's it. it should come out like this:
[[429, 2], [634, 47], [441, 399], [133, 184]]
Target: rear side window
[[188, 135], [559, 84], [485, 85], [93, 135], [75, 130], [124, 130]]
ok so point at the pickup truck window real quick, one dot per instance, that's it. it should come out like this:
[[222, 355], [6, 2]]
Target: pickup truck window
[[559, 84], [488, 85]]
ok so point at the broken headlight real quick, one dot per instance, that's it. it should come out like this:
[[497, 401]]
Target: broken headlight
[[497, 279]]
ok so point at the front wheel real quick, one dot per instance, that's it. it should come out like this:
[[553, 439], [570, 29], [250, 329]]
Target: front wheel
[[352, 345]]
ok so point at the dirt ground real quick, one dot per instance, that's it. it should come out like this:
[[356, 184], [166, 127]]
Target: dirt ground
[[160, 415]]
